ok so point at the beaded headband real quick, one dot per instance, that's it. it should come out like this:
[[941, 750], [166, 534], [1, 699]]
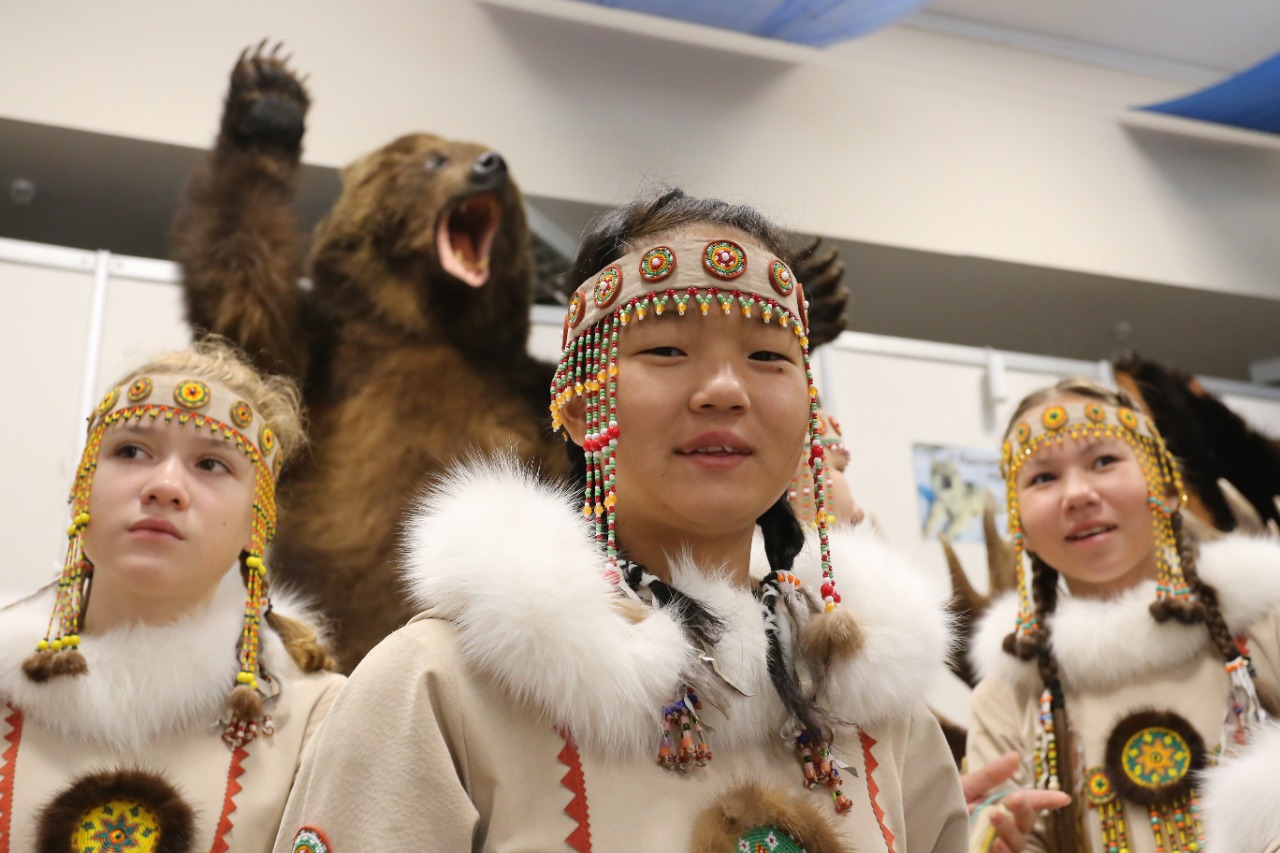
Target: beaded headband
[[1094, 420], [687, 277], [201, 405]]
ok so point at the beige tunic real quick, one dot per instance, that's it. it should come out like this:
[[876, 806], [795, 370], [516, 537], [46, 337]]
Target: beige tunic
[[452, 734], [1116, 661], [150, 702]]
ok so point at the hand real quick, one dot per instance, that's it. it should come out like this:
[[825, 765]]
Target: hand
[[1015, 815]]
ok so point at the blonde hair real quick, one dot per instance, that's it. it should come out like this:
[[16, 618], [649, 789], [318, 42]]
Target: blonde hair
[[216, 359]]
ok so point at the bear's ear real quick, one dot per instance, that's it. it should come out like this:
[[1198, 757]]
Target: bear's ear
[[574, 417]]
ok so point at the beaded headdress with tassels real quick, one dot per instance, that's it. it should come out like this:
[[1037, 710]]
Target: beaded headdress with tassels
[[188, 403], [699, 279], [1074, 420]]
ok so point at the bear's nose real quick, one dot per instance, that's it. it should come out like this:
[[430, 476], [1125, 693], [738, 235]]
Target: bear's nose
[[488, 166]]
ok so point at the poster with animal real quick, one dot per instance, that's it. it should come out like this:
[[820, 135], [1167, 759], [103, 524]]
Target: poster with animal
[[953, 485]]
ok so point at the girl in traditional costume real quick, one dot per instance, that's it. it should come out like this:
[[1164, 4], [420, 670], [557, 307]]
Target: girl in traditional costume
[[613, 668], [1135, 657], [165, 703]]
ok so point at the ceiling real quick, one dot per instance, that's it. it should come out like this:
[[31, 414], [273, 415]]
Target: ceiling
[[1217, 37], [97, 191]]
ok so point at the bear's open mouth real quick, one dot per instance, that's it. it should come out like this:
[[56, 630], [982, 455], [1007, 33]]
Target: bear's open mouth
[[465, 237]]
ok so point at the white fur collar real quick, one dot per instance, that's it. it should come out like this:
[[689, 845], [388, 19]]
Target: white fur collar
[[534, 612], [1238, 797], [144, 681], [1102, 643]]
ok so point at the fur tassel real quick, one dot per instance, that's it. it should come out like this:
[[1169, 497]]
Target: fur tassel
[[60, 821], [245, 704], [38, 666], [1188, 611], [833, 637], [750, 806], [68, 662]]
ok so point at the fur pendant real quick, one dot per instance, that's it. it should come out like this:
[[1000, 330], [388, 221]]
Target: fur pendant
[[1152, 791], [1102, 643], [182, 672], [752, 806], [534, 613], [117, 810], [1238, 797]]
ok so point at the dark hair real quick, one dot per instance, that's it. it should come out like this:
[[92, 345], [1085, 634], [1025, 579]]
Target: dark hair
[[608, 238]]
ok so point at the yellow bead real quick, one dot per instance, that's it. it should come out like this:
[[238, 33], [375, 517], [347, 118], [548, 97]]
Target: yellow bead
[[56, 645], [71, 640], [43, 645], [244, 677], [253, 562]]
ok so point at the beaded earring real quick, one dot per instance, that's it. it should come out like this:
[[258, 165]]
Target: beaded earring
[[58, 654]]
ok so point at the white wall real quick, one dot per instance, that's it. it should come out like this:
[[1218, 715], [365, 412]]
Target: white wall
[[889, 394], [904, 138]]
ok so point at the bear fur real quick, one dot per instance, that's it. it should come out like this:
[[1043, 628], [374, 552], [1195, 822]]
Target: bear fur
[[409, 346]]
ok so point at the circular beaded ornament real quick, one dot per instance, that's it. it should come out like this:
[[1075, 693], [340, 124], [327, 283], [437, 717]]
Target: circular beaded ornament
[[724, 259], [1128, 419], [241, 414], [1054, 417], [780, 277], [140, 389], [108, 401], [766, 839], [658, 263], [1156, 757], [267, 440], [1022, 432], [607, 286], [1095, 413], [311, 840], [575, 314], [1097, 787], [117, 826], [192, 394]]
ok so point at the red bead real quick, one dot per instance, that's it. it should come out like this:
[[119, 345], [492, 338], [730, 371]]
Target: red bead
[[827, 589], [816, 452], [835, 597], [613, 431]]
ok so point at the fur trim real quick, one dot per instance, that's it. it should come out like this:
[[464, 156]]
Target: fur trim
[[536, 594], [182, 672], [1102, 643], [835, 637], [1238, 797], [533, 608], [59, 821], [905, 623], [751, 805]]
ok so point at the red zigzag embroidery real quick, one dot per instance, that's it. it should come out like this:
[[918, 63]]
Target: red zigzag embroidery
[[229, 803], [575, 781], [873, 789], [7, 768]]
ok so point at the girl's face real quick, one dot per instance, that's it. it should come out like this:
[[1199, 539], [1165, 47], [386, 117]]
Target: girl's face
[[713, 411], [170, 511], [1085, 513]]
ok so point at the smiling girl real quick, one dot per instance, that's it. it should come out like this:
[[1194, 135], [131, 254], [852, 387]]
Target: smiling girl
[[616, 667], [1134, 653], [164, 705]]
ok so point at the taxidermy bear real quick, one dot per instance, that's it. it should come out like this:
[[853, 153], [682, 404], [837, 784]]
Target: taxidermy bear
[[410, 345]]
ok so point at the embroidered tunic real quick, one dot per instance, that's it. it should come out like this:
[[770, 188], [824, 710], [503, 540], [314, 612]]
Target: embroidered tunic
[[521, 711], [148, 708]]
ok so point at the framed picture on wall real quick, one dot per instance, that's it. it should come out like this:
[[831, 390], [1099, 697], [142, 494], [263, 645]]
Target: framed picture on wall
[[952, 484]]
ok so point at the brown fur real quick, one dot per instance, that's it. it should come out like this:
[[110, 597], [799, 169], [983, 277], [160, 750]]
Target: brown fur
[[751, 805], [832, 637], [68, 662], [38, 666], [1130, 726], [58, 820], [404, 367]]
